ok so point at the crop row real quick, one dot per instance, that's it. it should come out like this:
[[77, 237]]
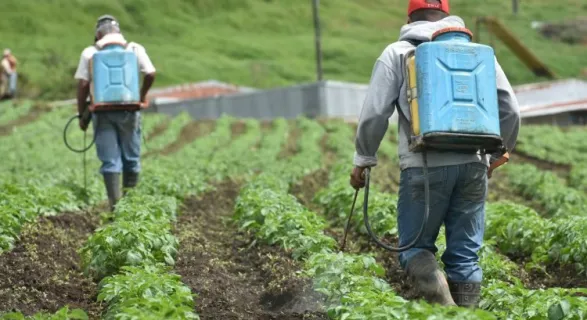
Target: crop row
[[130, 257], [41, 177], [520, 303], [171, 133], [38, 177], [519, 230], [578, 177], [516, 229], [547, 190], [131, 251], [144, 239], [336, 200], [553, 144], [350, 283], [130, 245], [12, 110]]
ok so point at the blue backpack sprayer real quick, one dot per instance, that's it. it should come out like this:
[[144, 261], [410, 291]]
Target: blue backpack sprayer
[[452, 93], [114, 87]]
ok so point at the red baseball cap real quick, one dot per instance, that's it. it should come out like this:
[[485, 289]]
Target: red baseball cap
[[441, 5]]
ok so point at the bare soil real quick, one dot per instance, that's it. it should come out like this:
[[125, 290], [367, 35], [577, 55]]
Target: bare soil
[[306, 189], [560, 169], [188, 134], [328, 155], [291, 146], [235, 277], [159, 129], [554, 276], [43, 273], [36, 112], [238, 128]]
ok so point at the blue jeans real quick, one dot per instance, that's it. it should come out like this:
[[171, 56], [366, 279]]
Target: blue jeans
[[118, 141], [457, 199], [12, 83]]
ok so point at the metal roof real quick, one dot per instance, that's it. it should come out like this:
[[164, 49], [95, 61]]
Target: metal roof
[[553, 97], [203, 89]]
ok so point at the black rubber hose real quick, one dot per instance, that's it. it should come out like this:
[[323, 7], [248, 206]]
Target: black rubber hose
[[424, 219], [67, 143]]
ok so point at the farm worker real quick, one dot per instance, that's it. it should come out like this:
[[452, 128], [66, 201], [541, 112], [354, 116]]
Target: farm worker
[[117, 132], [458, 182], [9, 75]]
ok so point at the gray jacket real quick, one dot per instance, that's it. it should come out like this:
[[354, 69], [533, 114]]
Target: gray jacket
[[388, 88]]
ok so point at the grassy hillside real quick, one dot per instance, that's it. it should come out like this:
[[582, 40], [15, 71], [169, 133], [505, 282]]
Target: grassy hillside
[[262, 43]]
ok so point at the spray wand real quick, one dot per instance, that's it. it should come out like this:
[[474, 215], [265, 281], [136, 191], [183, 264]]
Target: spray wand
[[86, 117]]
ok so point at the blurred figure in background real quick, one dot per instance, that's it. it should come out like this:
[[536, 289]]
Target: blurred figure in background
[[9, 75]]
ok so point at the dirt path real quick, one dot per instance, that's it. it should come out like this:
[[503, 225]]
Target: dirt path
[[159, 129], [291, 146], [561, 169], [43, 272], [237, 128], [35, 113], [234, 277], [188, 133]]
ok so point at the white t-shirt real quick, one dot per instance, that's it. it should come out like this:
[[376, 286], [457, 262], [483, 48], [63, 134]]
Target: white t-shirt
[[6, 65], [83, 68]]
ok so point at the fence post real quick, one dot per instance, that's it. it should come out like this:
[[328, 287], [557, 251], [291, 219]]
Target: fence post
[[318, 37]]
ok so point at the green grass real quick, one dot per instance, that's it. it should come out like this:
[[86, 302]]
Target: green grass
[[261, 43]]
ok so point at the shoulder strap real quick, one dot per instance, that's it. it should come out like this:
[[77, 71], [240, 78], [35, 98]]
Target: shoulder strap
[[124, 44], [406, 126], [415, 43]]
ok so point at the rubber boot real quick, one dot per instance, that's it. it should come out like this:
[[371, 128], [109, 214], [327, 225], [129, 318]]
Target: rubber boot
[[112, 183], [428, 279], [129, 180], [465, 294]]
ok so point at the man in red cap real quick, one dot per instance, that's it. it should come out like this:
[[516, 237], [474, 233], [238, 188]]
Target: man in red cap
[[458, 181]]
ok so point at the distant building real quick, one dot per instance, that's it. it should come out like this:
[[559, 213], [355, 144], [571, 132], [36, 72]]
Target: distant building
[[196, 90], [562, 102]]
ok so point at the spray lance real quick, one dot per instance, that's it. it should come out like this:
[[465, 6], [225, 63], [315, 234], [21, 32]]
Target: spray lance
[[85, 117]]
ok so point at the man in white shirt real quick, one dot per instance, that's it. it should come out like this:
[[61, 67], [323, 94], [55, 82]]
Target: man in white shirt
[[118, 133], [9, 74]]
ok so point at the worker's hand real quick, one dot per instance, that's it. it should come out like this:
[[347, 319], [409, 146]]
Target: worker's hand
[[144, 103], [489, 172], [498, 163], [358, 178], [83, 124]]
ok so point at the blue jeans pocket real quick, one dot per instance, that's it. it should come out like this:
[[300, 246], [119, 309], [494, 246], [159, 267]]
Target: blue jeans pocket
[[437, 181], [475, 183]]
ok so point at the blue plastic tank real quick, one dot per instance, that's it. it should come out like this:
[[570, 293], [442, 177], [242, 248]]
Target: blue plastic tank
[[457, 93], [115, 77]]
